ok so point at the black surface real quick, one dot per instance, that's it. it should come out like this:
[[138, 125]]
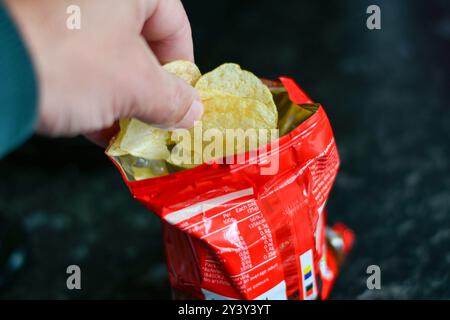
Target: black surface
[[386, 93]]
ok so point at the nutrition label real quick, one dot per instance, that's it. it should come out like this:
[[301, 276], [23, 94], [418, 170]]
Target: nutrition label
[[242, 243]]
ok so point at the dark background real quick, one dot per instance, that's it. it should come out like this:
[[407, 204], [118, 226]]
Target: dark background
[[387, 95]]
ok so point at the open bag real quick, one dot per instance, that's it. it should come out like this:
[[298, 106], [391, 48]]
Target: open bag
[[231, 232]]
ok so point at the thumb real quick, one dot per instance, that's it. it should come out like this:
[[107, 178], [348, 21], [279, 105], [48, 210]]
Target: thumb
[[169, 102]]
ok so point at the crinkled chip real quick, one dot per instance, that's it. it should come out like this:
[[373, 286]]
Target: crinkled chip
[[228, 112], [234, 112], [231, 112], [186, 70], [181, 160], [114, 149], [140, 140], [154, 168], [233, 99], [230, 79]]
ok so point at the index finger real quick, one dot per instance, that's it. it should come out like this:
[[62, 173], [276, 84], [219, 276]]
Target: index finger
[[168, 31]]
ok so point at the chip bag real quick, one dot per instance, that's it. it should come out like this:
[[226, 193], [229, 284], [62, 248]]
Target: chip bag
[[230, 231]]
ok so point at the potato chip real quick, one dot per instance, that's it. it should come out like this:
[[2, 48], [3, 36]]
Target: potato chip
[[233, 99], [233, 112], [177, 160], [224, 112], [230, 79], [185, 70], [154, 168], [114, 149], [140, 140]]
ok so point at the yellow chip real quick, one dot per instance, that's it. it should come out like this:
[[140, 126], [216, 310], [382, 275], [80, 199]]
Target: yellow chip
[[230, 79], [233, 112], [233, 99], [222, 113], [154, 168], [114, 149], [240, 114], [183, 162], [140, 140], [185, 70]]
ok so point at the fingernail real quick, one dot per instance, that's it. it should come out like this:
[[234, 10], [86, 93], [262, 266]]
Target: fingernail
[[194, 113]]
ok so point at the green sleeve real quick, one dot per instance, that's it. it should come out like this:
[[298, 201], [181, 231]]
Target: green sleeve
[[18, 93]]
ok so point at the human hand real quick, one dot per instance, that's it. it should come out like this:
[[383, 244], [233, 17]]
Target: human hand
[[111, 67]]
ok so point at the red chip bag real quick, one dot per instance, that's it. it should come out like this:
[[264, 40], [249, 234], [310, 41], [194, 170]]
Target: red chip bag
[[231, 232]]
